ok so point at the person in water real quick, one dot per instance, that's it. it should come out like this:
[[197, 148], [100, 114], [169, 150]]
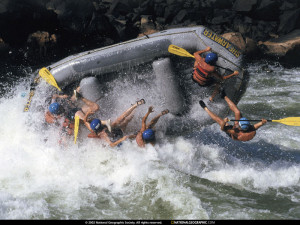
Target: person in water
[[147, 132], [63, 110], [205, 73], [116, 136], [242, 130]]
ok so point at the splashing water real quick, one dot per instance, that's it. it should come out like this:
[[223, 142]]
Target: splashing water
[[197, 175]]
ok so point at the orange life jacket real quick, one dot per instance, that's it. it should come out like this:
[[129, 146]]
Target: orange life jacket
[[201, 75], [68, 126]]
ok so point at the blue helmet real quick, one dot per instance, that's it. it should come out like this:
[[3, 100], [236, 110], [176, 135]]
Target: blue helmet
[[54, 108], [148, 135], [96, 125], [244, 123], [211, 58]]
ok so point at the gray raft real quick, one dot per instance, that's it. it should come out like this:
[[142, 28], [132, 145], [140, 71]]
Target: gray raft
[[153, 49]]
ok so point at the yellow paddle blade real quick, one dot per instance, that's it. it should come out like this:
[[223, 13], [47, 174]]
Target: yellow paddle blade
[[48, 77], [179, 51], [291, 121], [76, 128]]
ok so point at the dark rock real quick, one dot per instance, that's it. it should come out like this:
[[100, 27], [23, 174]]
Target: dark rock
[[219, 4], [180, 16], [236, 39], [73, 15], [242, 25], [159, 9], [3, 45], [170, 12], [42, 41], [21, 18], [147, 25], [289, 4], [289, 21], [118, 8], [251, 47], [268, 10], [286, 47], [4, 6], [244, 5], [222, 16], [147, 7]]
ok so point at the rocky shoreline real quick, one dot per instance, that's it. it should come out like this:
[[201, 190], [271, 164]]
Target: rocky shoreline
[[37, 31]]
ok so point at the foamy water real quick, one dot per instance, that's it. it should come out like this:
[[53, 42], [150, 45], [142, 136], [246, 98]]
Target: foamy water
[[199, 175]]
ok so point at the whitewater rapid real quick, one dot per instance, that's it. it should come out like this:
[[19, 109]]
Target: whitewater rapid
[[200, 174]]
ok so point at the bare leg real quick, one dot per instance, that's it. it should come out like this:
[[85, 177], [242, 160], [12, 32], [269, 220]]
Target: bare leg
[[89, 106], [155, 119], [126, 120], [215, 92], [216, 118], [121, 119], [233, 108]]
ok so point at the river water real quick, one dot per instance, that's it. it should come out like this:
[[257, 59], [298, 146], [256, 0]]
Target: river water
[[201, 174]]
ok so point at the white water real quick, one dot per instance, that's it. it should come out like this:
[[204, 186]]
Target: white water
[[197, 177]]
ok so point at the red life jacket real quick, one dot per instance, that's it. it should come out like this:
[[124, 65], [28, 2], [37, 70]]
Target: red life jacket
[[200, 75], [68, 126]]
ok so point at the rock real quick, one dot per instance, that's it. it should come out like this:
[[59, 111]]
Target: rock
[[159, 9], [119, 7], [286, 47], [147, 26], [3, 6], [222, 16], [180, 16], [42, 40], [237, 39], [289, 5], [289, 21], [219, 4], [170, 12], [244, 5], [268, 10], [251, 47], [3, 45], [242, 25], [73, 15]]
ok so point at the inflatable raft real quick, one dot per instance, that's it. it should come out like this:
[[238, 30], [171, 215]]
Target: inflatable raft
[[170, 71]]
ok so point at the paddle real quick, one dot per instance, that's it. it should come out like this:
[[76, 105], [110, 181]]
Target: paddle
[[31, 93], [179, 51], [182, 52], [76, 128], [290, 121], [48, 77]]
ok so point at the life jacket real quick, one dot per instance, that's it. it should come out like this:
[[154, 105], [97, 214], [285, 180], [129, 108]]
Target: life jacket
[[49, 117], [201, 76], [68, 126]]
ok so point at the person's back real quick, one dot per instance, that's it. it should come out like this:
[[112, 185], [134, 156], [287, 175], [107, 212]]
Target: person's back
[[202, 71], [238, 134]]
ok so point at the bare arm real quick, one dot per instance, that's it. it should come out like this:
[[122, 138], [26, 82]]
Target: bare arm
[[55, 96], [114, 144], [221, 78], [235, 73], [198, 53], [259, 124]]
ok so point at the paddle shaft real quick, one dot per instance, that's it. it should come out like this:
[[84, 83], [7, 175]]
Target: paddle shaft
[[182, 52], [251, 120]]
